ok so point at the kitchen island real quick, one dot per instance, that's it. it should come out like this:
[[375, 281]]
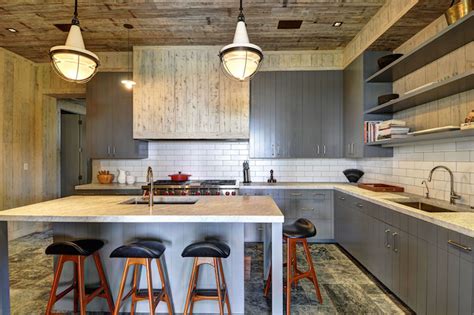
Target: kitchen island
[[119, 219]]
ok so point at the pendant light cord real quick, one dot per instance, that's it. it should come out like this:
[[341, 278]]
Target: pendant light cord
[[75, 20], [241, 14]]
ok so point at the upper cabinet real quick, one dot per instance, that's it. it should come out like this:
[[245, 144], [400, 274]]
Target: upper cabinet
[[109, 119], [181, 93], [296, 114]]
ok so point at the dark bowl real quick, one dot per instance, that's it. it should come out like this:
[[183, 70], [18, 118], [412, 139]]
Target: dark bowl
[[388, 59], [387, 98], [353, 175]]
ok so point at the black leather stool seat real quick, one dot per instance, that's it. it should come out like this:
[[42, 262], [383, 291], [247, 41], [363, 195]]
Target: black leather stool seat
[[140, 249], [207, 249], [301, 228], [84, 247]]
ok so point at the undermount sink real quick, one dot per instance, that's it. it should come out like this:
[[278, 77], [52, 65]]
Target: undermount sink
[[162, 201], [424, 206]]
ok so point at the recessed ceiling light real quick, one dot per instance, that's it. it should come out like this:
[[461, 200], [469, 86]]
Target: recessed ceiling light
[[337, 24], [12, 30]]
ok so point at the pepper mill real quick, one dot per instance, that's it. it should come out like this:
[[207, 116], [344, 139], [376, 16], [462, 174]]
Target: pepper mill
[[246, 172], [271, 180]]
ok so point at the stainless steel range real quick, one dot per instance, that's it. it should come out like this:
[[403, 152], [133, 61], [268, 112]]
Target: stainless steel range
[[194, 188]]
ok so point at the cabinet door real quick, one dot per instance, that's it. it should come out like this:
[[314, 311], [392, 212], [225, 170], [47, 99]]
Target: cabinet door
[[288, 143], [262, 115], [400, 254], [331, 114], [99, 127], [311, 118]]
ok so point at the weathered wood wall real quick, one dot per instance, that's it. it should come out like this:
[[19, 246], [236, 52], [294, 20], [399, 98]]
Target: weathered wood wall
[[450, 110]]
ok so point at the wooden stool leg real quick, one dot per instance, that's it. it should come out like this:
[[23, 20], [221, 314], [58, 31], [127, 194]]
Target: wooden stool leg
[[288, 275], [166, 294], [190, 287], [122, 287], [268, 283], [136, 268], [227, 301], [313, 273], [103, 282], [218, 285], [150, 286], [81, 284], [54, 287]]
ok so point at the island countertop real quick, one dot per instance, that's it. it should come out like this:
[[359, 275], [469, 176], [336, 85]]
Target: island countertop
[[236, 209]]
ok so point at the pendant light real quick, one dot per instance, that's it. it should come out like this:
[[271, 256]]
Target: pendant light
[[241, 59], [129, 83], [72, 61]]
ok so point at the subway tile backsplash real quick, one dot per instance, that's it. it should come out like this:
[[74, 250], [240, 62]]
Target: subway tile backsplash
[[211, 159]]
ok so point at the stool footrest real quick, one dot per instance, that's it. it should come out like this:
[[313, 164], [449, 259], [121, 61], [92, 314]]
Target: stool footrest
[[143, 293], [208, 293]]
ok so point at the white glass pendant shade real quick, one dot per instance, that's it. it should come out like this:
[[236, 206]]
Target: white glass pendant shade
[[72, 61], [241, 59], [128, 84]]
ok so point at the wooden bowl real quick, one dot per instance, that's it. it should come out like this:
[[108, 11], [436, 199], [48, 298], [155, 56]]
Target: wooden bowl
[[105, 178], [388, 59]]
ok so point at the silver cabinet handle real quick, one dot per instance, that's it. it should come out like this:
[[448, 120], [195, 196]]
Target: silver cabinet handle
[[278, 150], [342, 198], [307, 209], [273, 150], [359, 205], [318, 194], [461, 246], [318, 149], [387, 241], [296, 194], [113, 152], [352, 148], [324, 149], [395, 242], [108, 150]]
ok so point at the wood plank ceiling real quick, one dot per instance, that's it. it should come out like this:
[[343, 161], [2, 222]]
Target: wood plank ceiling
[[181, 22]]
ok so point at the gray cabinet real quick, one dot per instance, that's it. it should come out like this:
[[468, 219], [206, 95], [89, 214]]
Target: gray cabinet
[[358, 96], [109, 119], [428, 267], [296, 114], [314, 205]]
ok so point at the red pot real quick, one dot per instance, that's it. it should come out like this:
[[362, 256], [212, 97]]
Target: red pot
[[179, 177]]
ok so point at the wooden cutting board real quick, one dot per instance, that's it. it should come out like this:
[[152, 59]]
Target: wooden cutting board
[[381, 187]]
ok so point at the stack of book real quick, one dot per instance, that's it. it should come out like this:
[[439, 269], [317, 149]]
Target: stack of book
[[392, 129], [370, 131]]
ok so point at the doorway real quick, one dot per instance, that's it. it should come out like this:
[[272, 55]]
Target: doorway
[[72, 133]]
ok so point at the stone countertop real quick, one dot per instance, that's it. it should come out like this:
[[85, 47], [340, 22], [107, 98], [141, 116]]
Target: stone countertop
[[238, 209], [112, 186], [461, 221]]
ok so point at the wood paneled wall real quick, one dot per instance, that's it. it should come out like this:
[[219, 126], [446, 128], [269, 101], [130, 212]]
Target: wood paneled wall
[[302, 60], [450, 110], [29, 134], [182, 93]]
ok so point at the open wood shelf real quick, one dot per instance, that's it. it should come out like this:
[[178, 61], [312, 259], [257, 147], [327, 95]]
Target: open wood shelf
[[447, 135], [451, 38], [457, 84]]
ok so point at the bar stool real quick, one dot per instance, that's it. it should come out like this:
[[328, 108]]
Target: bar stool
[[139, 254], [211, 253], [294, 233], [77, 252]]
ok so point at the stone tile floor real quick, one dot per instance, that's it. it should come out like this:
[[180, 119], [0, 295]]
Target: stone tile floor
[[346, 289]]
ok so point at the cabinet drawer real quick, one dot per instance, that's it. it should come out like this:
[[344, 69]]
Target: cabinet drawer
[[308, 194]]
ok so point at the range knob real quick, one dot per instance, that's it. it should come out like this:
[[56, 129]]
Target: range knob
[[227, 193], [208, 193], [233, 193], [198, 193], [171, 193], [183, 193], [218, 193], [166, 193]]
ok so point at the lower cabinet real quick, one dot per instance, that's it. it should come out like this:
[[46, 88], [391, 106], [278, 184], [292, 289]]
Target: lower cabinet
[[428, 267], [314, 205]]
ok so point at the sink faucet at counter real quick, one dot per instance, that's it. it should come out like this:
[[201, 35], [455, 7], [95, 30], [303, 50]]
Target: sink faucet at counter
[[149, 178], [452, 196]]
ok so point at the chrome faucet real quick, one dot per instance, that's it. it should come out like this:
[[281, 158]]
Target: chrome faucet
[[427, 194], [149, 178], [452, 196]]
